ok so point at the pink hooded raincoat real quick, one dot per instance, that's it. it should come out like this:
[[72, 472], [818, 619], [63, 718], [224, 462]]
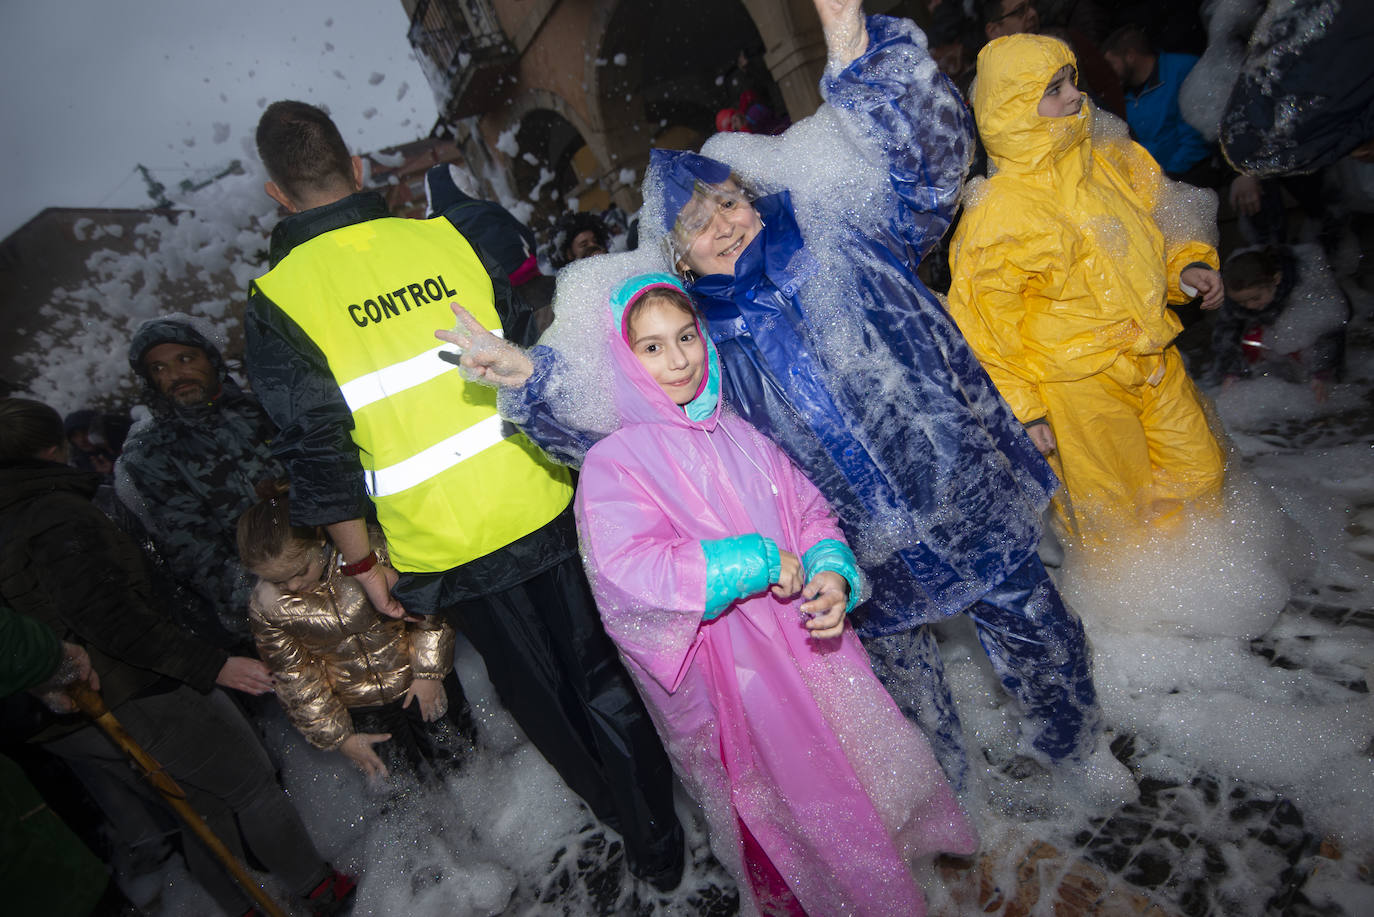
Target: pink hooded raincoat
[[792, 737]]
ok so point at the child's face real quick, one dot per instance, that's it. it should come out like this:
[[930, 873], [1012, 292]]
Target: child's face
[[665, 339], [296, 569], [1256, 299], [1061, 97], [728, 226]]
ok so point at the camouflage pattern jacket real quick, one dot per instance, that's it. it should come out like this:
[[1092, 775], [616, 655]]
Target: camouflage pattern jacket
[[188, 473]]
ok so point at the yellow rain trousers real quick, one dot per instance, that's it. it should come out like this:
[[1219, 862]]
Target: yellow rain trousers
[[1062, 279]]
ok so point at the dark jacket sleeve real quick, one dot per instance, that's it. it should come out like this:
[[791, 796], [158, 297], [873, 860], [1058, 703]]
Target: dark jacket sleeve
[[1305, 94], [517, 314], [290, 376], [106, 604], [29, 652], [1227, 329]]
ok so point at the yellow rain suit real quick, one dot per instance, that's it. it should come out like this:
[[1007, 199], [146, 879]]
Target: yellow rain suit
[[1062, 280]]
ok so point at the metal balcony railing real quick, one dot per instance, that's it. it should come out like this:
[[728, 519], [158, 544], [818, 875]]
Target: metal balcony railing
[[463, 52]]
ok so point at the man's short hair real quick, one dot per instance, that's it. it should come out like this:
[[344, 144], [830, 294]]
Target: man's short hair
[[302, 149], [1126, 39]]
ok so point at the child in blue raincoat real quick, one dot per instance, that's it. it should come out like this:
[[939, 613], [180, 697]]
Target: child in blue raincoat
[[840, 355]]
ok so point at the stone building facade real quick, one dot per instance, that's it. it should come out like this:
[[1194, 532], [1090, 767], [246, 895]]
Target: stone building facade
[[565, 98]]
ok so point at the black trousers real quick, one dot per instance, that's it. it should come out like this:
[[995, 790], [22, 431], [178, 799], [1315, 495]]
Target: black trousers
[[424, 750], [207, 746], [559, 675]]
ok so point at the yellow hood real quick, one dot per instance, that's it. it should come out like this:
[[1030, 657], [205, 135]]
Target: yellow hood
[[1013, 72]]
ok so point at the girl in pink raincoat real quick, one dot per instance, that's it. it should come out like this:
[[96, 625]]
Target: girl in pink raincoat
[[724, 581]]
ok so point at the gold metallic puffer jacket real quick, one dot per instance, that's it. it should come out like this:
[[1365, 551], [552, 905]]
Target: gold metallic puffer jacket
[[330, 650]]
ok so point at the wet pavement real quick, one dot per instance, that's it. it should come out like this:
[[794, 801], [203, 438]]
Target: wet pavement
[[1205, 845]]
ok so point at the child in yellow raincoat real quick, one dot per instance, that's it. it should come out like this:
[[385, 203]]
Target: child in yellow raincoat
[[1064, 267]]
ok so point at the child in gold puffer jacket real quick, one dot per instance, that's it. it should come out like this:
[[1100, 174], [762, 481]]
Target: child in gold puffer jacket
[[350, 679]]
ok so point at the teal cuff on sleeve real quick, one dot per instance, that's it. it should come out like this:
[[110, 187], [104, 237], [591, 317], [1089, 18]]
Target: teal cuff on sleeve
[[738, 567], [835, 556]]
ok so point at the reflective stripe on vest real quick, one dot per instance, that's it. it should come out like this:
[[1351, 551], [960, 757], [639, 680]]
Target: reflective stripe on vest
[[384, 482], [398, 377], [449, 480]]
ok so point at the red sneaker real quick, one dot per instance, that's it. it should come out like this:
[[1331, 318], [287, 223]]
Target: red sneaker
[[332, 896]]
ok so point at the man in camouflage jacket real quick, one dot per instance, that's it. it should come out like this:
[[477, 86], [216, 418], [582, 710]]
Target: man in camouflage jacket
[[190, 470]]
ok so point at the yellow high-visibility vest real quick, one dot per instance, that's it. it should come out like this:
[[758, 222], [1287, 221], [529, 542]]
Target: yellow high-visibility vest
[[451, 481]]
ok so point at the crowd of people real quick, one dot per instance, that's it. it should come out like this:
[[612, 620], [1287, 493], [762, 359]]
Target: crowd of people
[[731, 587]]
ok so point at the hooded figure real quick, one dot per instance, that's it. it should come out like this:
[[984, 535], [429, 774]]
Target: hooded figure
[[832, 348], [1062, 279], [808, 773], [191, 470]]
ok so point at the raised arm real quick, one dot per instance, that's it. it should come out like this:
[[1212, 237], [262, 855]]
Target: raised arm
[[898, 107], [530, 383]]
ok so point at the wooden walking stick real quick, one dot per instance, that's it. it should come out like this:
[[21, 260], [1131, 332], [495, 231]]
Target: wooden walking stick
[[92, 704]]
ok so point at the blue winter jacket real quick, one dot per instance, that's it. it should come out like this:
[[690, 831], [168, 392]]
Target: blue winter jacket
[[1152, 112], [963, 480]]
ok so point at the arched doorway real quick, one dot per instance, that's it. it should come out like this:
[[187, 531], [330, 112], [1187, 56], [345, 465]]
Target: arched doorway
[[548, 164], [671, 66]]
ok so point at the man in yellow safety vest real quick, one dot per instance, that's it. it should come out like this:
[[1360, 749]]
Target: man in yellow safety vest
[[341, 352]]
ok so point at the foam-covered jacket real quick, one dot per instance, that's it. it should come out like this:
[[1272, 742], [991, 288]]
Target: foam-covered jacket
[[1305, 95], [936, 485], [330, 650], [65, 564], [751, 709], [188, 473]]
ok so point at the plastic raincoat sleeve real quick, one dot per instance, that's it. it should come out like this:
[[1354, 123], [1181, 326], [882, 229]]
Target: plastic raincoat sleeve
[[290, 376], [533, 409], [1153, 188], [104, 610], [830, 555], [650, 581], [431, 647], [991, 280], [29, 652], [736, 568], [301, 684], [897, 105]]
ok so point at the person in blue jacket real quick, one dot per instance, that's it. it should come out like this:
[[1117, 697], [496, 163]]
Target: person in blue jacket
[[935, 483], [1152, 80]]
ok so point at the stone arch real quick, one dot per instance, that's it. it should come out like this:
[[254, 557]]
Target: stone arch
[[554, 135], [659, 65]]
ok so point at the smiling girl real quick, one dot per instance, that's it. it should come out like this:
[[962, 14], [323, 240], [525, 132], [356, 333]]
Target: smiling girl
[[724, 581]]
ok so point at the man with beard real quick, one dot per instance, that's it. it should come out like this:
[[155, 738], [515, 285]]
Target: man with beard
[[190, 470]]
